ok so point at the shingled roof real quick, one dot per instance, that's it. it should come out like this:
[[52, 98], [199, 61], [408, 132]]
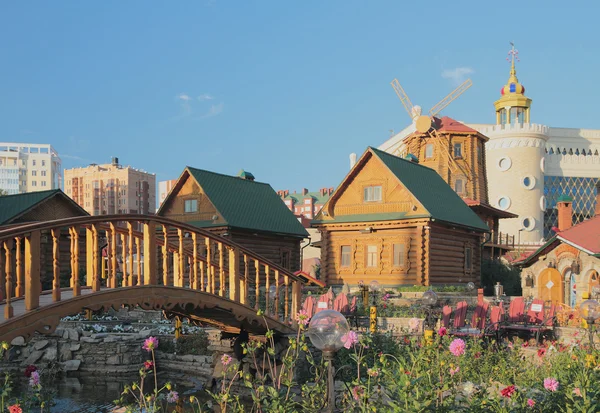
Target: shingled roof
[[436, 196], [244, 204]]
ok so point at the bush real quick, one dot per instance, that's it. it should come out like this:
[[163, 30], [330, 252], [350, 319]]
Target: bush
[[493, 271]]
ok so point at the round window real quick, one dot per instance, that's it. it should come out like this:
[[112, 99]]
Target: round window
[[529, 182], [504, 163], [528, 223], [504, 202], [543, 164], [543, 205]]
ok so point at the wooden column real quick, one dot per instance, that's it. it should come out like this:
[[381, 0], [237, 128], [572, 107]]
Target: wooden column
[[286, 281], [150, 253], [165, 256], [71, 255], [257, 283], [176, 268], [20, 289], [8, 308], [130, 241], [76, 284], [210, 281], [55, 264], [138, 250], [194, 267], [32, 271], [180, 280], [2, 275], [234, 277], [296, 299], [89, 257], [97, 256], [276, 304], [244, 282], [221, 271], [123, 261], [113, 256], [267, 290]]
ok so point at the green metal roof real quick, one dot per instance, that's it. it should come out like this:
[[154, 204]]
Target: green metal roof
[[436, 196], [247, 204], [564, 198], [13, 206], [319, 199]]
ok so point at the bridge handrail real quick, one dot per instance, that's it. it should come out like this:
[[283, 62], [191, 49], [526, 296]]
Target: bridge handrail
[[12, 232]]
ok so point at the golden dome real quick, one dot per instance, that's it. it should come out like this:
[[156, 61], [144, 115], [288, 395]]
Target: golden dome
[[513, 86]]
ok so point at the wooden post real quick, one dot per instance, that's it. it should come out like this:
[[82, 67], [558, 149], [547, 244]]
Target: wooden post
[[286, 281], [194, 267], [276, 305], [2, 276], [130, 248], [176, 268], [296, 299], [95, 263], [32, 271], [165, 253], [210, 282], [20, 289], [177, 327], [71, 255], [138, 250], [76, 285], [257, 283], [8, 308], [113, 256], [89, 257], [244, 282], [150, 253], [123, 256], [180, 280], [267, 290], [55, 264], [221, 271], [234, 277]]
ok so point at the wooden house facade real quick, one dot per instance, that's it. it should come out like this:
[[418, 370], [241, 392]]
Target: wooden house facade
[[398, 222], [249, 213]]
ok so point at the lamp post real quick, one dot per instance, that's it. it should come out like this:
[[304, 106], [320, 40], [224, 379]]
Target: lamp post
[[590, 311], [429, 300], [374, 286], [326, 331]]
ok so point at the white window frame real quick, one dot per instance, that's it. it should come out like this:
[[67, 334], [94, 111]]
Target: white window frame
[[345, 256], [372, 193], [372, 261], [190, 206]]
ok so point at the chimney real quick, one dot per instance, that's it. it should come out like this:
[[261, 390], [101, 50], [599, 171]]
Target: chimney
[[304, 191], [598, 198], [352, 160], [330, 190], [115, 161], [564, 205]]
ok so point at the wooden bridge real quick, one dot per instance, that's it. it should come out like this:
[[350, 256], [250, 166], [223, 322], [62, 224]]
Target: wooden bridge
[[52, 269]]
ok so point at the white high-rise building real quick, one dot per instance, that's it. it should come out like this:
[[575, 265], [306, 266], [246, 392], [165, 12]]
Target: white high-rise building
[[29, 167]]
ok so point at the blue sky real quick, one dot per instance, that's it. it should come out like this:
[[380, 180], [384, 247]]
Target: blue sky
[[284, 89]]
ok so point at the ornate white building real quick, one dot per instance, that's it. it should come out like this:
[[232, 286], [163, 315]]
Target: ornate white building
[[530, 165]]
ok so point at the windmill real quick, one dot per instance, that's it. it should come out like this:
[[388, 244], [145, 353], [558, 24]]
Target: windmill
[[426, 124]]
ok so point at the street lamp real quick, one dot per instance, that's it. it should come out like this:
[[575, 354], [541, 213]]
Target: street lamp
[[429, 300], [374, 286], [326, 331], [590, 311]]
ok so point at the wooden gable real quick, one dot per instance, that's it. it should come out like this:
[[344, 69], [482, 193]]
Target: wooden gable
[[349, 199], [187, 188]]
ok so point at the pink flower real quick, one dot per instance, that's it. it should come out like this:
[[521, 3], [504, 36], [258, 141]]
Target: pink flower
[[551, 384], [386, 297], [356, 393], [15, 408], [508, 391], [350, 339], [302, 317], [454, 371], [151, 343], [442, 331], [34, 379], [577, 391], [457, 347], [373, 372], [414, 324], [530, 402], [172, 397], [226, 359], [148, 364]]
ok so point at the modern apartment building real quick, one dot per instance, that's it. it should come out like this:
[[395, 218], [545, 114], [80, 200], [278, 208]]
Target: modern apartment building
[[112, 189], [164, 187], [305, 204], [29, 167]]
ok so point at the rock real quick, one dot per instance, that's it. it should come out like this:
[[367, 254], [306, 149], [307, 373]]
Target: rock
[[86, 333], [73, 334], [145, 333], [72, 365], [40, 345], [75, 347], [113, 360], [91, 340], [59, 332], [99, 335], [65, 353], [18, 341], [13, 354], [50, 354], [111, 339], [33, 357]]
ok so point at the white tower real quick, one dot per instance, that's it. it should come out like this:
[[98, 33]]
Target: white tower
[[515, 162]]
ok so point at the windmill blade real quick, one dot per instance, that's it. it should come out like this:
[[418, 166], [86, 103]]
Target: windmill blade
[[451, 97], [403, 97]]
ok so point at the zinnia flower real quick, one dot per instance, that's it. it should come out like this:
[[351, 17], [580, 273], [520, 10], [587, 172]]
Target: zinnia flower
[[148, 364], [508, 391], [457, 347], [541, 352], [414, 324], [551, 384], [15, 408], [530, 402], [350, 339], [302, 317], [172, 397], [34, 380], [454, 371], [151, 343], [356, 393], [442, 331], [30, 369], [577, 391], [226, 359]]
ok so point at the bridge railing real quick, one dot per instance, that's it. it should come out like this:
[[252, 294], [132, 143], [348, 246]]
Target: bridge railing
[[119, 251]]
